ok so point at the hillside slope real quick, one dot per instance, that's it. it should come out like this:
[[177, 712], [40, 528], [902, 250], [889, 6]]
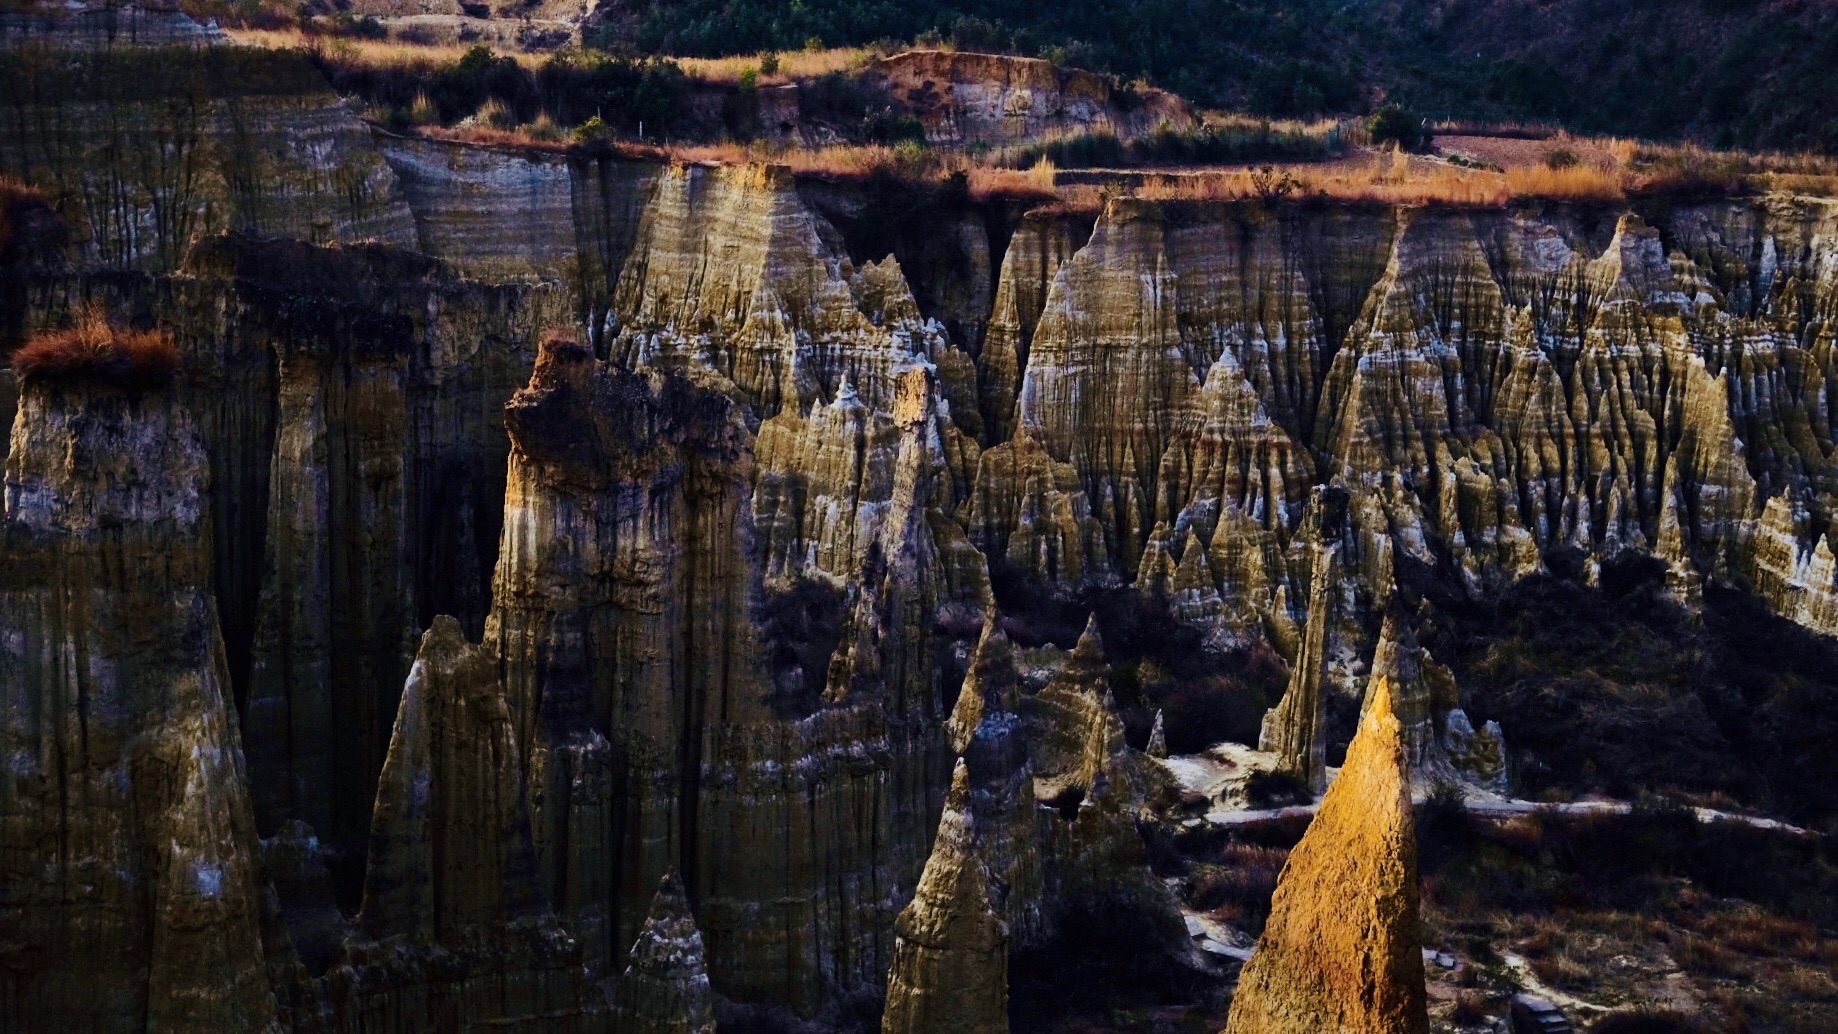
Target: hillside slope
[[1733, 72]]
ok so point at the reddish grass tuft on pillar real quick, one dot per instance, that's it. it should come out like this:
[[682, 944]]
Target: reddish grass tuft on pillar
[[96, 349]]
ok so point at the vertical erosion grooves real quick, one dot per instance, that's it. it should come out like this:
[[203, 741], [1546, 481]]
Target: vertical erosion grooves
[[146, 149], [624, 620], [128, 857], [1492, 388], [350, 402]]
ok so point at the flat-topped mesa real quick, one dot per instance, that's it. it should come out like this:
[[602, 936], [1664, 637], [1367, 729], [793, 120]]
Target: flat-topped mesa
[[950, 959], [665, 988], [127, 840], [963, 97], [735, 273], [1295, 730], [1340, 952]]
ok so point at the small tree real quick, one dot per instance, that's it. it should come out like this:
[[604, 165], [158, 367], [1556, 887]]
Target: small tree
[[1395, 124]]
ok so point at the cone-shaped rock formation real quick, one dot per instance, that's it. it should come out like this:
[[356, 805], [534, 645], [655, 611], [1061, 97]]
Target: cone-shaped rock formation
[[665, 989], [1340, 953], [950, 962]]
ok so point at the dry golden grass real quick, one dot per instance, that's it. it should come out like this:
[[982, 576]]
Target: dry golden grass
[[393, 53], [366, 52], [792, 65], [1392, 179], [97, 349]]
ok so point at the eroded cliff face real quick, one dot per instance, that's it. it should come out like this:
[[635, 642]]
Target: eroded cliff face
[[626, 621], [964, 97], [131, 867], [149, 145], [728, 559]]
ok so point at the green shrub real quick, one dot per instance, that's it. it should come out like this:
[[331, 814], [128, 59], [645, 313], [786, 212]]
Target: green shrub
[[1396, 124]]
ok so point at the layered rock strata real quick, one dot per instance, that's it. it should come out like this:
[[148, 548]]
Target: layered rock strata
[[641, 696], [129, 869], [665, 989], [950, 961], [248, 140]]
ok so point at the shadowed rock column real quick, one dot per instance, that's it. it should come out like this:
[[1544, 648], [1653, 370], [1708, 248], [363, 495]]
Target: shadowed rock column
[[450, 838], [1293, 729], [450, 891], [128, 856], [1341, 951], [950, 960], [665, 989]]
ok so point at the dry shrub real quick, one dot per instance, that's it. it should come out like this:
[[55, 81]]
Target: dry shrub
[[1560, 970], [520, 137], [1646, 1021], [790, 66], [1754, 932], [1703, 957], [1470, 1010], [96, 349], [1237, 890]]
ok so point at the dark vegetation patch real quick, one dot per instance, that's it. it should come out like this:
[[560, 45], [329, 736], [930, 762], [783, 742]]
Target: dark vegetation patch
[[1207, 695], [622, 92], [97, 350], [1615, 689], [857, 107], [1106, 955], [1237, 885], [1648, 1021], [1736, 73], [1274, 789], [1600, 904]]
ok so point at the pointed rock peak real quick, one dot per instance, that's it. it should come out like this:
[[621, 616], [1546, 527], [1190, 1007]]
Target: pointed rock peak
[[1195, 569], [665, 989], [444, 644], [991, 685], [1158, 737], [958, 797], [845, 394], [1341, 950], [1090, 650], [669, 944]]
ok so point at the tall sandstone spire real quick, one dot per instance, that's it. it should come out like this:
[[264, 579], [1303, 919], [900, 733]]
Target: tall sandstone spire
[[1293, 729], [950, 957], [1341, 952]]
